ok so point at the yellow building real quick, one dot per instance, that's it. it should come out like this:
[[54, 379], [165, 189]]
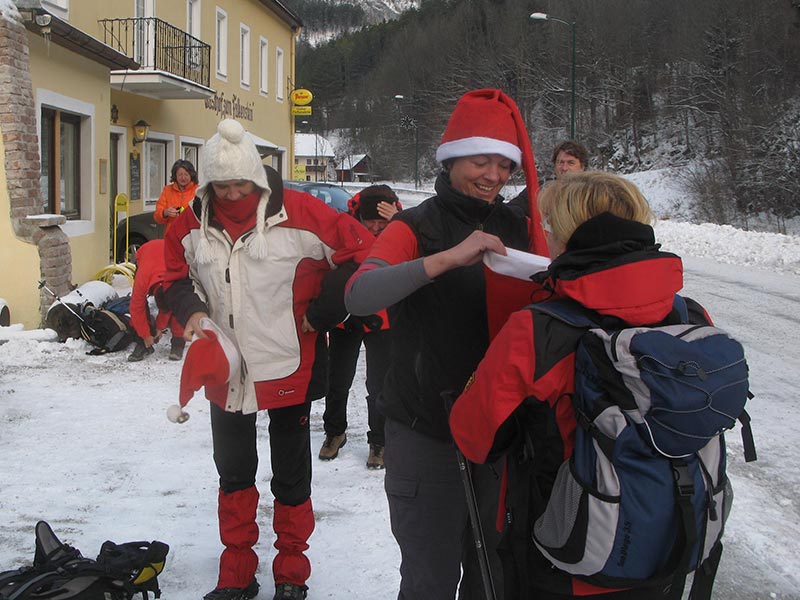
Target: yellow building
[[78, 75]]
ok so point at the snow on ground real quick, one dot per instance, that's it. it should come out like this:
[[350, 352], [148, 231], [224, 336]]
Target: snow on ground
[[85, 444]]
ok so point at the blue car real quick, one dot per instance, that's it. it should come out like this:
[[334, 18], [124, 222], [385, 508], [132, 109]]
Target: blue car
[[331, 194]]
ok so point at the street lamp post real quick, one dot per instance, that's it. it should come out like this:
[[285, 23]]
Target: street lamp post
[[537, 16], [407, 122]]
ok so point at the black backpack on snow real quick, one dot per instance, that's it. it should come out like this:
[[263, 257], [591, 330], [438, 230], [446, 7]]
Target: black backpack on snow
[[61, 572], [643, 499], [107, 329]]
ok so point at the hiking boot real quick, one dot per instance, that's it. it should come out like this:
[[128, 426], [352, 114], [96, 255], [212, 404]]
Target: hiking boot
[[139, 352], [176, 345], [231, 593], [290, 591], [375, 460], [330, 447]]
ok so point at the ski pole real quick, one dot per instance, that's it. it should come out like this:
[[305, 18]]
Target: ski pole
[[465, 470], [43, 285]]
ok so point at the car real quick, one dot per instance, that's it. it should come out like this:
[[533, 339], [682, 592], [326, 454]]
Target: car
[[331, 194], [143, 228]]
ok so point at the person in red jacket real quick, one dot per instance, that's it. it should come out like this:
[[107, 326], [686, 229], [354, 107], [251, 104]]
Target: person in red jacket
[[150, 270], [374, 206], [268, 266], [177, 194], [604, 258]]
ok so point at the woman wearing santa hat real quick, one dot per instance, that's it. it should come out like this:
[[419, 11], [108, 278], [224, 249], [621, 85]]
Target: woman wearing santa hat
[[425, 267], [253, 258]]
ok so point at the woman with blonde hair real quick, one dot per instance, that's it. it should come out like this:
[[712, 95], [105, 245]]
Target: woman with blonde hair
[[606, 260]]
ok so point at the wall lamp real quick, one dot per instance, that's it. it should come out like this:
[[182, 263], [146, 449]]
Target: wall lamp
[[140, 130], [114, 113]]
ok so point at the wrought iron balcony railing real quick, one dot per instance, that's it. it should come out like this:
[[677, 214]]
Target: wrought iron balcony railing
[[155, 44]]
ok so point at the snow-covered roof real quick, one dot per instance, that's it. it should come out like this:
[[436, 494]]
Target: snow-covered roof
[[351, 160], [311, 144]]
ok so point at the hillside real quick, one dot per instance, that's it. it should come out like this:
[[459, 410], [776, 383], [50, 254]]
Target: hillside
[[655, 85], [325, 20]]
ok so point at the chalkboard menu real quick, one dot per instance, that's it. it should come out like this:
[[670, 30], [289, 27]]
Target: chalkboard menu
[[136, 176]]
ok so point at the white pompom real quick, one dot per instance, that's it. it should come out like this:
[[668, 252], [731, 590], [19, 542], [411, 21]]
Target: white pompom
[[176, 415], [231, 130]]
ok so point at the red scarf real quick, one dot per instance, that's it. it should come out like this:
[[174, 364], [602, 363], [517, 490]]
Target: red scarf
[[237, 216]]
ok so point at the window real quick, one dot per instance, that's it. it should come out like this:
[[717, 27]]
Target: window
[[244, 55], [263, 66], [279, 74], [193, 52], [191, 152], [222, 44], [61, 168], [193, 10], [156, 170]]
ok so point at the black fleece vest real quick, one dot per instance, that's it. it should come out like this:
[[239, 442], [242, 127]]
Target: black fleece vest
[[440, 332]]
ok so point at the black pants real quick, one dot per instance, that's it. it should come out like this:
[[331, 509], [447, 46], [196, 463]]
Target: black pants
[[236, 455], [343, 349], [430, 519]]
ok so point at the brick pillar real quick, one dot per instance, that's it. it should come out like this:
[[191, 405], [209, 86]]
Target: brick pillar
[[55, 258], [22, 164]]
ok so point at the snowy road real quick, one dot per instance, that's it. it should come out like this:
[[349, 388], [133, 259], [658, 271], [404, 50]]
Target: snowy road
[[85, 444], [762, 310]]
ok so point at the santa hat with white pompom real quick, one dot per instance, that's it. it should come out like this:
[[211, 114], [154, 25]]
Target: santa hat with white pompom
[[210, 362]]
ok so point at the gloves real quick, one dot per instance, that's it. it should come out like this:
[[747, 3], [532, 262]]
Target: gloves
[[367, 323]]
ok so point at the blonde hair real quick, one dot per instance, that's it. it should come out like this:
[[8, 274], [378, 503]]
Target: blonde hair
[[572, 200]]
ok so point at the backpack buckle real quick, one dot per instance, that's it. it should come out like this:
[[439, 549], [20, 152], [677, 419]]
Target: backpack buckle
[[683, 479]]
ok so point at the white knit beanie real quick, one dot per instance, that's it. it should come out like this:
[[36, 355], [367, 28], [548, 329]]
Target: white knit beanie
[[230, 154]]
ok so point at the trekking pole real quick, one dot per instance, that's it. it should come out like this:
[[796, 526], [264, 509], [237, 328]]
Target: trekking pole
[[43, 285], [465, 469]]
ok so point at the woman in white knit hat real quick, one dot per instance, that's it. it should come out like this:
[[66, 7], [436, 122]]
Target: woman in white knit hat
[[425, 267], [253, 257]]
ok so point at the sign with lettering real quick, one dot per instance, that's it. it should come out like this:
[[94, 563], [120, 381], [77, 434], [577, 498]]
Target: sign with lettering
[[301, 97], [136, 176], [301, 110], [233, 108]]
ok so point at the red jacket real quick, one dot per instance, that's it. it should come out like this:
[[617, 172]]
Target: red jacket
[[260, 303], [527, 365], [150, 269]]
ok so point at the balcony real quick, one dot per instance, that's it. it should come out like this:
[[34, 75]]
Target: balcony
[[174, 64]]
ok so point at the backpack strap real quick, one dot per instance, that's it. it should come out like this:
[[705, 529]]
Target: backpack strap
[[684, 488], [704, 576], [747, 435]]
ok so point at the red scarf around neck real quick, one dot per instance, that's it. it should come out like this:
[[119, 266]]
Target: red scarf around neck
[[237, 216]]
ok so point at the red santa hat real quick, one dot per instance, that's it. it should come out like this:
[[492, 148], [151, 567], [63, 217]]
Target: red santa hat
[[210, 361], [489, 122]]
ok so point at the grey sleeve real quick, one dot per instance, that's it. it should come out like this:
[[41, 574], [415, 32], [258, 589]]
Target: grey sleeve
[[383, 286]]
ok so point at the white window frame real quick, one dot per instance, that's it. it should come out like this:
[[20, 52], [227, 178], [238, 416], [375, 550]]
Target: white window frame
[[263, 66], [194, 12], [150, 197], [279, 74], [244, 56], [50, 99], [186, 140], [221, 44]]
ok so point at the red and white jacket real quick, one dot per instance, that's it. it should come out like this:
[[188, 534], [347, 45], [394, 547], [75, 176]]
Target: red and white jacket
[[260, 304]]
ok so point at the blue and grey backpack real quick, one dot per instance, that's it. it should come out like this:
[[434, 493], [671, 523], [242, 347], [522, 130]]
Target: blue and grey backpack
[[642, 502]]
